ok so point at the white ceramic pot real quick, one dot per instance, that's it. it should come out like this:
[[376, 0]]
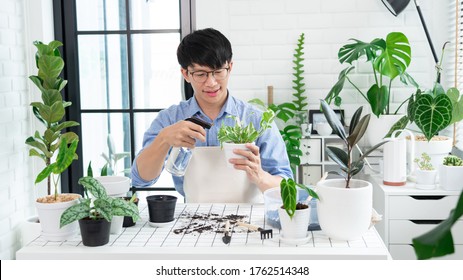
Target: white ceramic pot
[[345, 214], [378, 128], [324, 129], [30, 230], [425, 179], [296, 228], [437, 150], [451, 177], [115, 186], [116, 224], [50, 215], [229, 154]]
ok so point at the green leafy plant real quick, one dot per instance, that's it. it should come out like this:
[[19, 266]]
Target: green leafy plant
[[55, 148], [349, 167], [288, 190], [433, 110], [438, 242], [388, 58], [99, 205], [453, 161], [424, 162], [110, 168], [241, 133], [295, 112]]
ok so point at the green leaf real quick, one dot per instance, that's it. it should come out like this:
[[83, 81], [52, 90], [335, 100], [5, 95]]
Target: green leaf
[[104, 170], [75, 212], [334, 92], [406, 79], [333, 120], [50, 66], [338, 155], [90, 170], [378, 97], [289, 196], [396, 57], [45, 173], [432, 114], [457, 104], [64, 125], [40, 146], [400, 124], [359, 131], [65, 156], [120, 207], [103, 206], [352, 52], [51, 96], [93, 186], [355, 119]]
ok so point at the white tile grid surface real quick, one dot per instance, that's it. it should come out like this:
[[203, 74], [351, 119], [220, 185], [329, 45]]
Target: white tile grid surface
[[144, 235]]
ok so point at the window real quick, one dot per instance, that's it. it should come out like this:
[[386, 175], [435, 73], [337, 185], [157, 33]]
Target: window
[[122, 69]]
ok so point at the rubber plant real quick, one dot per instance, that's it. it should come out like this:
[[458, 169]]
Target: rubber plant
[[358, 125], [55, 148], [434, 109], [294, 110], [288, 190], [389, 58], [99, 205]]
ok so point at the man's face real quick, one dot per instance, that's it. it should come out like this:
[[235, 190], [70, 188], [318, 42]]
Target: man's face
[[209, 85]]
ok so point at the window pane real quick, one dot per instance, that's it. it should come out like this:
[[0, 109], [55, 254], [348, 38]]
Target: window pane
[[154, 14], [103, 71], [142, 122], [93, 15], [157, 80], [95, 131]]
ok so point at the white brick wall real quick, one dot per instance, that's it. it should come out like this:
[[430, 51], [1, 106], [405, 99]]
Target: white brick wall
[[264, 34], [16, 185]]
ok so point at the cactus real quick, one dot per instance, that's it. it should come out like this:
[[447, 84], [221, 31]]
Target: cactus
[[453, 161]]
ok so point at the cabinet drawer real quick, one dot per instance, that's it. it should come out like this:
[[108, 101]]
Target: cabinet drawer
[[421, 207], [311, 174], [403, 231], [406, 252], [311, 151]]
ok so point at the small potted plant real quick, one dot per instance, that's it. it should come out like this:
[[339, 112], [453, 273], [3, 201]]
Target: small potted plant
[[451, 173], [294, 215], [237, 136], [425, 174], [95, 212], [54, 147], [338, 217]]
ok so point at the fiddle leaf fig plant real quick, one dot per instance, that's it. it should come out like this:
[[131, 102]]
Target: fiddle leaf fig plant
[[99, 205], [288, 190], [55, 148], [241, 133], [358, 125], [388, 58]]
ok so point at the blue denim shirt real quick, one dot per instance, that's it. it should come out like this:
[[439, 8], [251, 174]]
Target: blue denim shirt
[[274, 158]]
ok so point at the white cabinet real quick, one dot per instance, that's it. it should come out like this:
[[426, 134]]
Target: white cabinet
[[314, 161], [409, 212]]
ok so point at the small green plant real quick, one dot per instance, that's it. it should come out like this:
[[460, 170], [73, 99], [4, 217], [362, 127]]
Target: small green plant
[[424, 162], [288, 189], [55, 148], [241, 133], [453, 161], [99, 205], [110, 168]]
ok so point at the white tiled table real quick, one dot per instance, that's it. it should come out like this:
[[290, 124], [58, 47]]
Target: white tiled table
[[145, 242]]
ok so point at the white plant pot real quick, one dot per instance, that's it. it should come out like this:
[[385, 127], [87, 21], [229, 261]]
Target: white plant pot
[[50, 215], [116, 224], [378, 128], [437, 150], [115, 186], [451, 177], [425, 179], [324, 129], [229, 154], [295, 229], [30, 230], [344, 214]]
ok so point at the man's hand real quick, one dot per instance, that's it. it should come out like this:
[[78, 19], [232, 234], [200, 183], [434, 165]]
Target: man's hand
[[250, 163], [183, 134]]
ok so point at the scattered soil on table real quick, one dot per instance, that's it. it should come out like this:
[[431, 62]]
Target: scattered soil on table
[[207, 223]]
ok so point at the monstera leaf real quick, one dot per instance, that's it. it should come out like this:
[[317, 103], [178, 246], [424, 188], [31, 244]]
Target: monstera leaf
[[396, 57], [432, 114]]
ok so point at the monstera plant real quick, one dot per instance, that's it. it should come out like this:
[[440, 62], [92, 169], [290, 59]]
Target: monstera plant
[[433, 110], [388, 58]]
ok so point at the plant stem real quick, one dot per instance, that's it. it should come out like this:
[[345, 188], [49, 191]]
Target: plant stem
[[349, 165], [401, 104], [361, 93]]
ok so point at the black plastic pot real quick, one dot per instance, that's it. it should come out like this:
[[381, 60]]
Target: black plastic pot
[[94, 232], [161, 208], [128, 221]]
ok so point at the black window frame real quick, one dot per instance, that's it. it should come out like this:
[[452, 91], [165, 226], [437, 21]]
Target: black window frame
[[65, 29]]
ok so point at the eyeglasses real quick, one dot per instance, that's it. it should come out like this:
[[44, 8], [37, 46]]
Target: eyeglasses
[[218, 74]]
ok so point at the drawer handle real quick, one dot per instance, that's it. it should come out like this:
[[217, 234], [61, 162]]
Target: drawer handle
[[427, 197], [426, 222]]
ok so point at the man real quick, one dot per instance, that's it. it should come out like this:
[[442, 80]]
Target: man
[[205, 57]]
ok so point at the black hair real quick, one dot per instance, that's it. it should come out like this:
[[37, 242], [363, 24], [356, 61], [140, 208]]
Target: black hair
[[205, 47]]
